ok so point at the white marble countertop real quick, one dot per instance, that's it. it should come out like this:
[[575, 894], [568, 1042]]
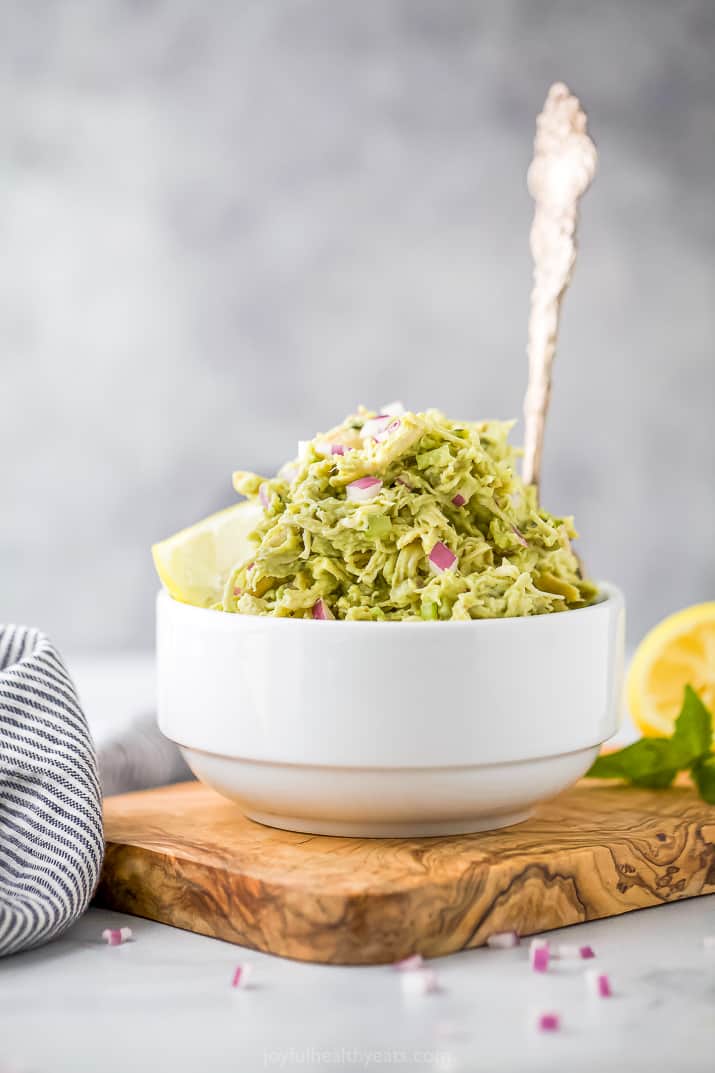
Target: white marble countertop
[[165, 1001]]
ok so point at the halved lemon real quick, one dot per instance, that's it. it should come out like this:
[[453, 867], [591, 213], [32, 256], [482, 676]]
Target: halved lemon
[[194, 563], [677, 652]]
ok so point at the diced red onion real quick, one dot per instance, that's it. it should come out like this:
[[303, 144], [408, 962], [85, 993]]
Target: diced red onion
[[598, 984], [503, 940], [441, 558], [236, 590], [540, 959], [264, 496], [548, 1022], [116, 936], [322, 611], [539, 955], [363, 489], [520, 536], [388, 431], [374, 426], [415, 961], [420, 982], [458, 500], [403, 480], [327, 449], [567, 950], [572, 950], [241, 975], [323, 447], [393, 409]]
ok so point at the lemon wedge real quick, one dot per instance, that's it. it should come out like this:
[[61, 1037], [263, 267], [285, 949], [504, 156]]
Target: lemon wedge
[[677, 652], [193, 564]]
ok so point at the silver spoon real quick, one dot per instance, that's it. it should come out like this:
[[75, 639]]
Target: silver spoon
[[561, 172]]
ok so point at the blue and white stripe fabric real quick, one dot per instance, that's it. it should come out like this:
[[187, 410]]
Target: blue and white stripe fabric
[[51, 842]]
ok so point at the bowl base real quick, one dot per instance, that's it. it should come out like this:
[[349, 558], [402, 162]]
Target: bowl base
[[388, 802], [347, 829]]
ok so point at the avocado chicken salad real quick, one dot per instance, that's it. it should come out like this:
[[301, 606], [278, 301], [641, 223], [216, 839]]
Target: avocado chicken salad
[[403, 516]]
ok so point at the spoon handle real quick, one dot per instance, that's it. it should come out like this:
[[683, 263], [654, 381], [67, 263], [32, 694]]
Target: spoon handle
[[562, 170]]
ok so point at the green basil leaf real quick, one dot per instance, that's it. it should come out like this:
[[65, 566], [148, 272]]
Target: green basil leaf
[[654, 762], [648, 762], [703, 772], [693, 734], [657, 780]]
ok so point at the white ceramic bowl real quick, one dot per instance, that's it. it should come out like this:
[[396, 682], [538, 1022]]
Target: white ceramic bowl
[[389, 728]]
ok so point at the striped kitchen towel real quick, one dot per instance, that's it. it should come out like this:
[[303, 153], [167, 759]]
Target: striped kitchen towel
[[51, 841]]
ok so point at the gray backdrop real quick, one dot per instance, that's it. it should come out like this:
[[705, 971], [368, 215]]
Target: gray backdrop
[[223, 225]]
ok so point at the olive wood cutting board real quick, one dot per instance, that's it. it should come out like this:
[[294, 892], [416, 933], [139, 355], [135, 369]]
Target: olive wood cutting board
[[185, 856]]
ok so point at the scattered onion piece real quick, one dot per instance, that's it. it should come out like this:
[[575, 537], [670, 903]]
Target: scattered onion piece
[[567, 950], [363, 489], [420, 982], [403, 480], [241, 975], [237, 591], [539, 955], [415, 961], [598, 984], [337, 449], [116, 936], [503, 940], [548, 1022], [458, 500], [264, 496], [540, 959], [572, 950], [441, 558], [322, 611]]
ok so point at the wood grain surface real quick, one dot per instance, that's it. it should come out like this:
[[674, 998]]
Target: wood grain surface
[[185, 856]]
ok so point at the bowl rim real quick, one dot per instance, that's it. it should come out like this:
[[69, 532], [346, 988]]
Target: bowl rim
[[609, 595]]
